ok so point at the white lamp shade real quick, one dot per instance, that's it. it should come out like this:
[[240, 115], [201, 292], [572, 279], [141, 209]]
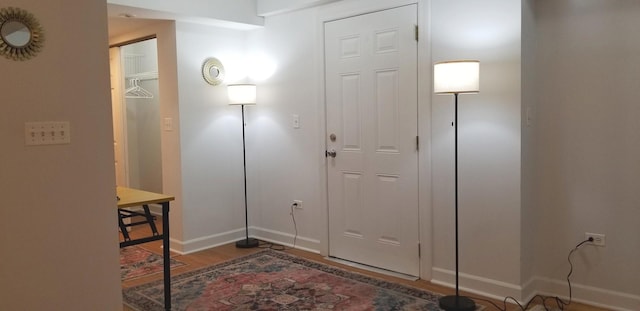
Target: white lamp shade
[[461, 76], [242, 94]]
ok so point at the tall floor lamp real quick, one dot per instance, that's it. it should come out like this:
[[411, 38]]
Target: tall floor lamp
[[243, 94], [456, 77]]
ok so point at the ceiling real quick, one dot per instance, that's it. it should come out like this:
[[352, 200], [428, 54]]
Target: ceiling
[[126, 15]]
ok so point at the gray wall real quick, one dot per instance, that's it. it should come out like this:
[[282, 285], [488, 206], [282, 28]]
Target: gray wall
[[587, 146], [58, 224]]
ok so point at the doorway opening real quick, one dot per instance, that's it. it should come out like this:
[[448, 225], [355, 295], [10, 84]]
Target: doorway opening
[[136, 115]]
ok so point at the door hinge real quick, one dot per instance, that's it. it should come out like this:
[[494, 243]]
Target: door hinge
[[419, 251], [418, 143], [417, 33]]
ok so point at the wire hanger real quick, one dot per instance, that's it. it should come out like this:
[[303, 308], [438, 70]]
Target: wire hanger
[[136, 91]]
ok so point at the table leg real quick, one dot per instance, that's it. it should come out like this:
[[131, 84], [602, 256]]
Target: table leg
[[166, 256]]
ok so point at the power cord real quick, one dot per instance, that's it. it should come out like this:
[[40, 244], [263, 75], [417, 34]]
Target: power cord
[[273, 246], [279, 247], [559, 302], [295, 226]]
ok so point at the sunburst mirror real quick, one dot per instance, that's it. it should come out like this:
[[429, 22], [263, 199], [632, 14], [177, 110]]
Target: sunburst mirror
[[21, 35], [213, 71]]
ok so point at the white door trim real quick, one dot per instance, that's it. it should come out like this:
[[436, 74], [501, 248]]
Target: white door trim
[[119, 115], [346, 9]]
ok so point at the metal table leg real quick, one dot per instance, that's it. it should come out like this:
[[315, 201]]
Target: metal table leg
[[166, 256]]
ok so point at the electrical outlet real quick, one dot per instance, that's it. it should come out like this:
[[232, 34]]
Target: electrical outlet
[[598, 239], [297, 204]]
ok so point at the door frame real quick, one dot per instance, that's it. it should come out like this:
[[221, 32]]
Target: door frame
[[354, 8], [119, 116]]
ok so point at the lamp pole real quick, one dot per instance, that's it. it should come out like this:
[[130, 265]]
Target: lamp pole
[[247, 242], [457, 302]]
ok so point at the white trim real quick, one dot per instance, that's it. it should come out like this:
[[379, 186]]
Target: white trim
[[346, 9], [302, 243], [425, 210], [477, 285], [322, 127], [598, 297], [529, 290], [373, 269], [207, 242]]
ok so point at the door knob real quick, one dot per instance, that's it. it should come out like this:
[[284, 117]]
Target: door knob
[[331, 153]]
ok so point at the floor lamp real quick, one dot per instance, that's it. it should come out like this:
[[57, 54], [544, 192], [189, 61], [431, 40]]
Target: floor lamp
[[456, 77], [244, 94]]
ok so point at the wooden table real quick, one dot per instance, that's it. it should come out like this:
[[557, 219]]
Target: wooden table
[[128, 197]]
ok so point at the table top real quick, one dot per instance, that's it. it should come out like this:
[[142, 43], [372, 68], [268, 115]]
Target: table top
[[134, 197]]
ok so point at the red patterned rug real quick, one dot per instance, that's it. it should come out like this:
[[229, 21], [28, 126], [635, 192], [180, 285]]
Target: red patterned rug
[[271, 280], [137, 262]]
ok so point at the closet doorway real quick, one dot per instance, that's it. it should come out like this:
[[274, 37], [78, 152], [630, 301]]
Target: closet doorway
[[136, 115]]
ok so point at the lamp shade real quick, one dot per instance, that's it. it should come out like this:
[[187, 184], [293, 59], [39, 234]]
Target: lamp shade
[[460, 76], [242, 94]]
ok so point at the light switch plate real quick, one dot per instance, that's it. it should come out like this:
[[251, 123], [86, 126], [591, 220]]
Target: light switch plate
[[47, 133], [295, 121]]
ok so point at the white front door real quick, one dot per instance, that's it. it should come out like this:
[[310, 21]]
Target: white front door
[[371, 102]]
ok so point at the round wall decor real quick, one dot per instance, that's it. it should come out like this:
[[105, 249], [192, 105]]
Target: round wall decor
[[213, 71], [21, 36]]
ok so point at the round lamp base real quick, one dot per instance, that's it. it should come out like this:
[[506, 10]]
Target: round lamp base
[[457, 303], [247, 243]]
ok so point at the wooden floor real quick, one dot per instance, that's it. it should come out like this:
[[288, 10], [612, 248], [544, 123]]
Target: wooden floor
[[226, 252]]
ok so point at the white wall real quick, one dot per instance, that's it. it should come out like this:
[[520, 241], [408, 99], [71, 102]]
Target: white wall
[[287, 163], [489, 146], [211, 137], [58, 224], [588, 149]]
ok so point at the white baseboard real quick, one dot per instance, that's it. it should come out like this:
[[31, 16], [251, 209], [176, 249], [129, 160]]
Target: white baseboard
[[477, 285], [202, 243], [286, 239], [607, 299]]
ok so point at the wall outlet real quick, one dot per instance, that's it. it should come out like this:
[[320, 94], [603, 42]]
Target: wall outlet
[[598, 239], [297, 204]]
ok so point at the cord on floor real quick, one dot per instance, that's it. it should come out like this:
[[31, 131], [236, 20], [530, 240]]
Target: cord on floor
[[279, 247], [562, 304]]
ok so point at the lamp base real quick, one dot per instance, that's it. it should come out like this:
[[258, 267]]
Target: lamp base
[[457, 303], [247, 243]]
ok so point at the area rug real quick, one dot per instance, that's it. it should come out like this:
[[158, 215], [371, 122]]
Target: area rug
[[272, 280], [137, 262]]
